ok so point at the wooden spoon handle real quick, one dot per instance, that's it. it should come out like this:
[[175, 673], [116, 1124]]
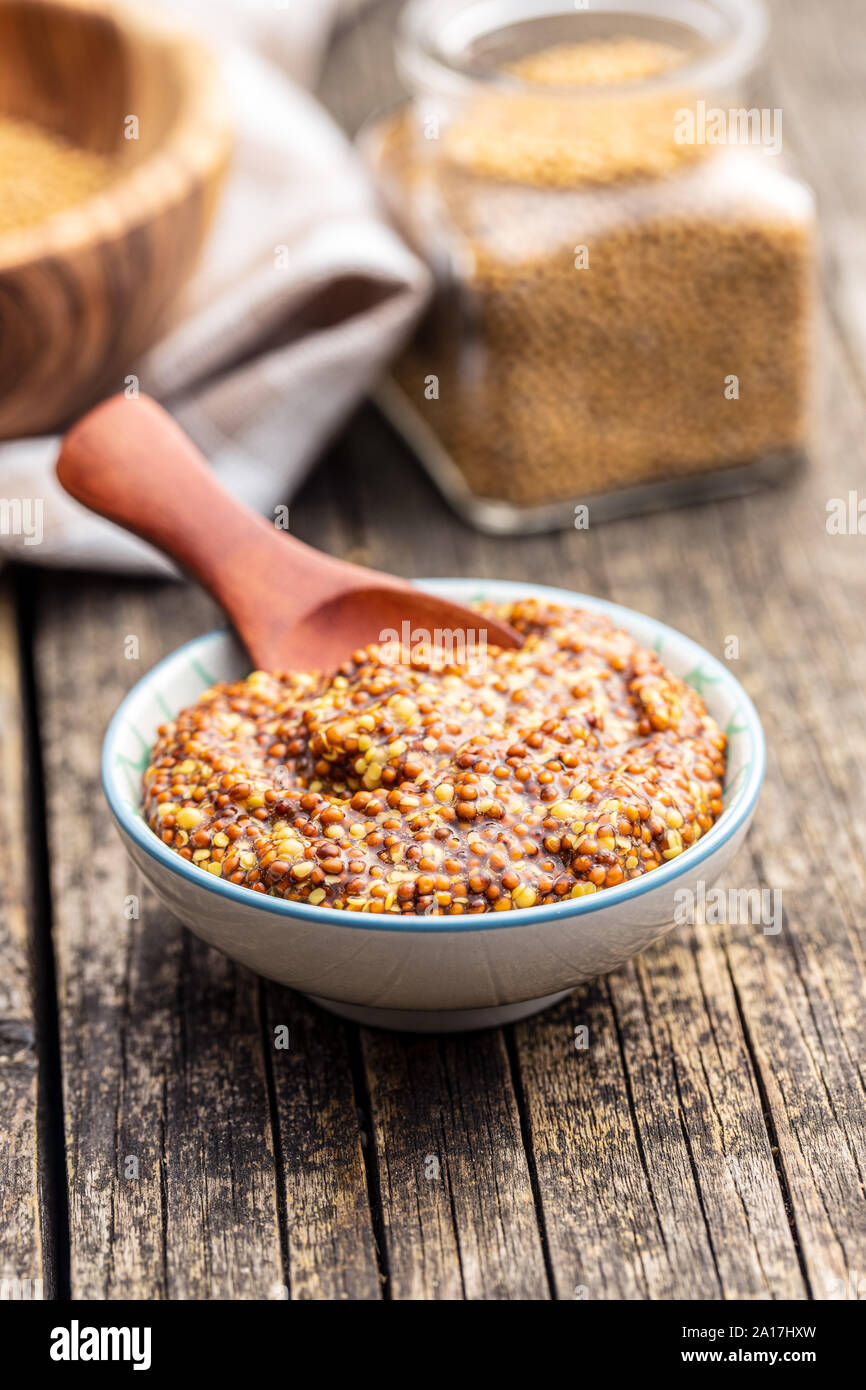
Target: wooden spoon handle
[[129, 461], [292, 606]]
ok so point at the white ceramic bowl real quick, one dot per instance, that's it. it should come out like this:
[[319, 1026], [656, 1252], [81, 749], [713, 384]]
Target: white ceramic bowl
[[430, 973]]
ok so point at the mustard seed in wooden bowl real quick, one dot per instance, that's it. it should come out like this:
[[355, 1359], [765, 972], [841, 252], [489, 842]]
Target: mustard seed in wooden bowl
[[41, 174], [414, 785]]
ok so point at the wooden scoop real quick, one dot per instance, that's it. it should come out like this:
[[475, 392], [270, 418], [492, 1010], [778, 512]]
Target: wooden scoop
[[293, 607]]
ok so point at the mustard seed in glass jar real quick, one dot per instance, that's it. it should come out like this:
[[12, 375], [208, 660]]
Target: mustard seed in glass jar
[[623, 261]]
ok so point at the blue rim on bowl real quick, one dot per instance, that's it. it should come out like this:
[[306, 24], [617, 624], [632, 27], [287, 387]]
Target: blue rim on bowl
[[735, 814]]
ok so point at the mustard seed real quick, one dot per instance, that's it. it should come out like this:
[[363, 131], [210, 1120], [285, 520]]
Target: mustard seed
[[453, 835]]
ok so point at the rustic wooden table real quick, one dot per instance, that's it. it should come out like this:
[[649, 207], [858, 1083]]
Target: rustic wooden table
[[710, 1141]]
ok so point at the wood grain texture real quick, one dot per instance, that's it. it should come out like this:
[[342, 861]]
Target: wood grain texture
[[84, 293], [765, 569], [457, 1200], [331, 1248], [710, 1141], [202, 1162], [137, 1018], [170, 1165], [20, 1222], [654, 1163]]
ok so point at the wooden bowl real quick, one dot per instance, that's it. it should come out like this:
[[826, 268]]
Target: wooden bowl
[[85, 292]]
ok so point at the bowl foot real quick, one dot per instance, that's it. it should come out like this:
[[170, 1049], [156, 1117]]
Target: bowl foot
[[439, 1020]]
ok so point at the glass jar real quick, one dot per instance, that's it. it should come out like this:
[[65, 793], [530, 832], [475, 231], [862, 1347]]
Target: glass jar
[[623, 263]]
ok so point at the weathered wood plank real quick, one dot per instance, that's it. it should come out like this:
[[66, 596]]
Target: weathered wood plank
[[171, 1189], [625, 1119], [20, 1225], [817, 61], [470, 1229], [655, 1167], [635, 1195], [605, 1235], [794, 597], [816, 844], [684, 999], [653, 1160], [811, 843], [803, 652], [331, 1247], [456, 1194], [172, 1085]]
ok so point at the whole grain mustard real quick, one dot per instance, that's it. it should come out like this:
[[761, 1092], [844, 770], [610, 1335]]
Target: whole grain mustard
[[571, 765]]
